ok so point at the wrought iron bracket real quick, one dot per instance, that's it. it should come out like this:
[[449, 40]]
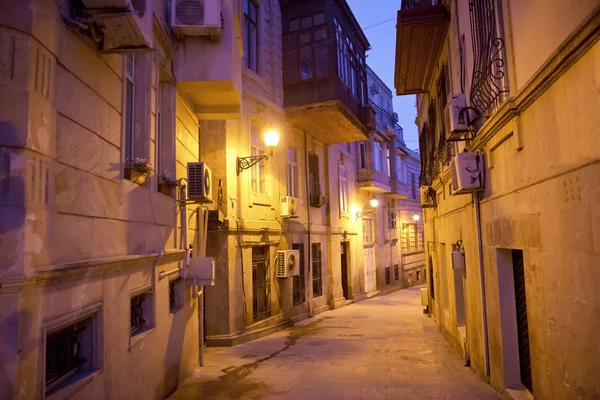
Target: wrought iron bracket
[[244, 163], [361, 214]]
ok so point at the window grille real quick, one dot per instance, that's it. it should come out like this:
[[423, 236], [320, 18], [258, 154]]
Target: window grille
[[396, 272], [298, 282], [261, 284], [140, 313], [388, 275], [317, 270], [489, 86]]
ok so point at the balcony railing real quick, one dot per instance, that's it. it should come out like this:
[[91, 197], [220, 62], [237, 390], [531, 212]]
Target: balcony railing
[[384, 119], [412, 4]]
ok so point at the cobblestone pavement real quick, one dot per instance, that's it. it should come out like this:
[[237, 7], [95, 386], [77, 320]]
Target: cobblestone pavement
[[382, 348]]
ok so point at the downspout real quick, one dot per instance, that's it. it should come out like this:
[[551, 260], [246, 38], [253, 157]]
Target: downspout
[[308, 250], [486, 349]]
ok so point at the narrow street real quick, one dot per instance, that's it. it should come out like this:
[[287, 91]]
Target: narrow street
[[382, 348]]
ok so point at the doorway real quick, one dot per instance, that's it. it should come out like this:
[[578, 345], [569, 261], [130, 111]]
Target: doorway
[[369, 267], [344, 263], [514, 322]]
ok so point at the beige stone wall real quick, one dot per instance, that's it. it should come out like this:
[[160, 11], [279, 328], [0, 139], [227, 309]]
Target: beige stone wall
[[540, 197], [81, 237]]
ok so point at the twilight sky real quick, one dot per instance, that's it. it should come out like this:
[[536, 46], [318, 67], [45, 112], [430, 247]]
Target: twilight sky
[[381, 57]]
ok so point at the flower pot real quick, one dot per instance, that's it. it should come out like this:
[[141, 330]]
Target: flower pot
[[166, 189], [135, 176]]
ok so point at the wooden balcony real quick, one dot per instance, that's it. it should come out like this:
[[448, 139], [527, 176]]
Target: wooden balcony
[[420, 34], [327, 110], [399, 190]]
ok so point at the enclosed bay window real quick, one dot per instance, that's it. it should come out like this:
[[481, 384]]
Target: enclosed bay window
[[292, 173], [378, 156], [251, 48]]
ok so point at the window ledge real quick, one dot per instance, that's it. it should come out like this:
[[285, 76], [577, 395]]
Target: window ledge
[[69, 391], [255, 78], [134, 340]]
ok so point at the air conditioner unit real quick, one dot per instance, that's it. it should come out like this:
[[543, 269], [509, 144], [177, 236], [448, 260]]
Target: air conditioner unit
[[288, 206], [467, 171], [201, 271], [199, 179], [126, 24], [374, 89], [196, 17], [427, 197], [288, 263], [395, 115], [456, 122]]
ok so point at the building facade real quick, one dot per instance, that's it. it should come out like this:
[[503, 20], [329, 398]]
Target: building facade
[[513, 264]]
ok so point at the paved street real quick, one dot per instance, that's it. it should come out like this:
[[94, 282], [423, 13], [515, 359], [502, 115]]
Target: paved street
[[382, 348]]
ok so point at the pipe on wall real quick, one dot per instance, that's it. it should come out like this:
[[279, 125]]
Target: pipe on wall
[[309, 247], [486, 347]]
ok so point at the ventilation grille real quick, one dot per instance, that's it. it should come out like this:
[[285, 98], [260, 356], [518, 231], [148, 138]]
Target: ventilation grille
[[281, 261], [196, 180], [190, 12]]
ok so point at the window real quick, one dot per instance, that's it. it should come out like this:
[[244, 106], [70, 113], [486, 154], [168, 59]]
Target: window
[[307, 22], [141, 312], [362, 161], [343, 189], [413, 186], [298, 282], [128, 109], [71, 352], [400, 169], [388, 275], [251, 12], [292, 173], [322, 63], [175, 300], [259, 184], [319, 19], [367, 226], [377, 155], [317, 269], [314, 179], [261, 284], [306, 63], [294, 25], [396, 272], [389, 162]]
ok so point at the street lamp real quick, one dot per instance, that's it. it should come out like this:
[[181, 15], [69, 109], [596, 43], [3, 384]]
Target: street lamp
[[271, 138], [416, 217], [374, 203]]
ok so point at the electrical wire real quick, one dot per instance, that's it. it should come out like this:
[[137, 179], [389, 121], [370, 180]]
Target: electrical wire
[[343, 37]]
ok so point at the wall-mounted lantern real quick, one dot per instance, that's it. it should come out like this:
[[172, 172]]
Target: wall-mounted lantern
[[271, 139]]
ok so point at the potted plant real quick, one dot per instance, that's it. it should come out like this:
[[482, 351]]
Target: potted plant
[[139, 170], [166, 183]]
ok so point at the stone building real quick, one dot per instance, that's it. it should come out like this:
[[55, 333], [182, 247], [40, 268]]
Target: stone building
[[389, 172], [514, 264], [90, 248]]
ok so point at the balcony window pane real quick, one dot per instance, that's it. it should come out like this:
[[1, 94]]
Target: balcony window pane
[[319, 19], [304, 38], [306, 63], [294, 25], [322, 59], [306, 22], [320, 34]]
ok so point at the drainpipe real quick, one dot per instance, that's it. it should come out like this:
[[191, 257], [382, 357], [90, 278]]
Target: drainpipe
[[308, 250], [486, 348]]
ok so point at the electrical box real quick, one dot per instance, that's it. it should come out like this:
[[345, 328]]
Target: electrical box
[[201, 271], [458, 260]]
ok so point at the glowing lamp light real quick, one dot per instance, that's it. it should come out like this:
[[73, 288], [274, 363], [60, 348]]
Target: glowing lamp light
[[374, 202], [271, 138], [416, 217]]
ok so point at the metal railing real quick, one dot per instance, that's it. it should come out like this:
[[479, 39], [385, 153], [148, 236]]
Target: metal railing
[[412, 4], [384, 118]]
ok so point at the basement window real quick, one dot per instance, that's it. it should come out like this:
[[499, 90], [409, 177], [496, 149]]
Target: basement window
[[141, 312], [71, 352], [175, 295]]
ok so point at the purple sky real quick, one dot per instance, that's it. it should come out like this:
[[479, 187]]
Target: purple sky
[[381, 57]]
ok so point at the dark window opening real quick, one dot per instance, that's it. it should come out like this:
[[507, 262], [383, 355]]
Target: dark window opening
[[317, 270], [251, 13], [298, 282], [261, 284], [388, 275]]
